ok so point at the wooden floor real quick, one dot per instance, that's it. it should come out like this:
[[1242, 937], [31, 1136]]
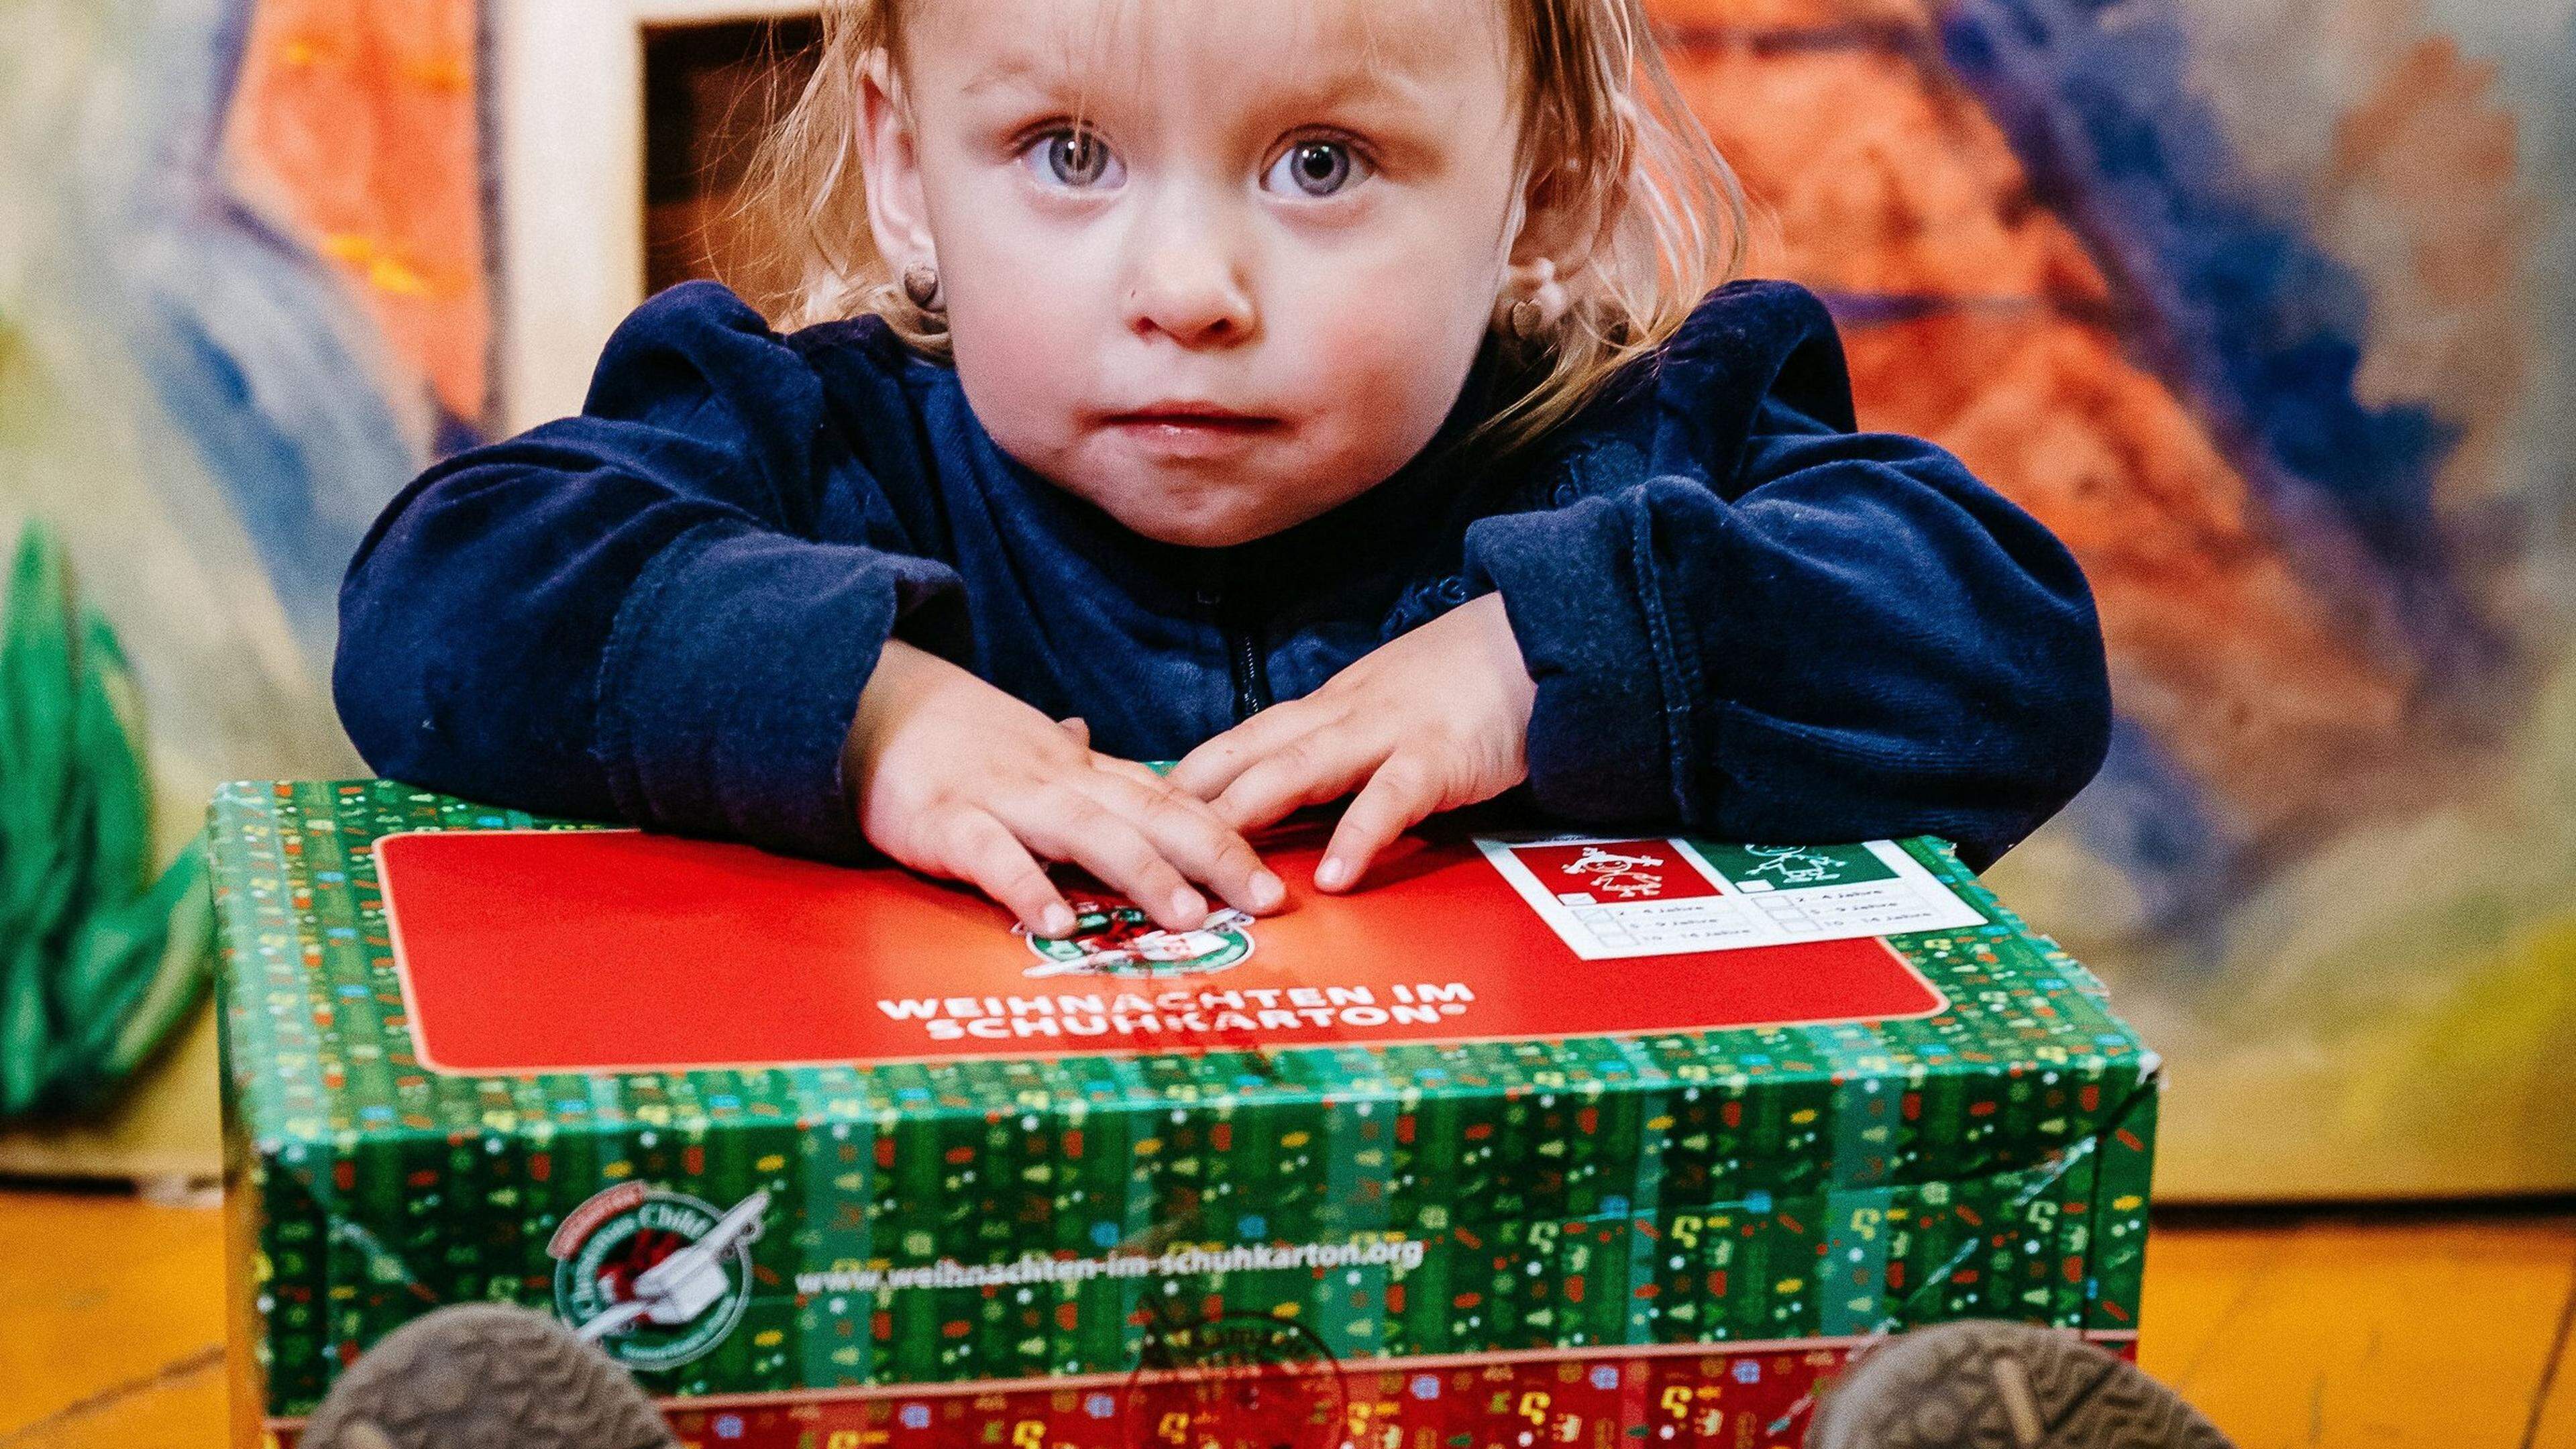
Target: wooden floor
[[2449, 1331]]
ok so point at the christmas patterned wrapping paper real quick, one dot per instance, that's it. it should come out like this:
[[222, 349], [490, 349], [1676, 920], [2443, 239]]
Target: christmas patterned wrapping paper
[[1500, 1239]]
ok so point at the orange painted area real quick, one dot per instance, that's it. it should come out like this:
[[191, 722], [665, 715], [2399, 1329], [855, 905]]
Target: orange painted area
[[2242, 670], [1872, 176], [1872, 172], [354, 123]]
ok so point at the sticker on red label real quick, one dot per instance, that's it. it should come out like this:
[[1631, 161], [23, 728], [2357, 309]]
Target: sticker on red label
[[534, 951], [1609, 900], [1615, 872]]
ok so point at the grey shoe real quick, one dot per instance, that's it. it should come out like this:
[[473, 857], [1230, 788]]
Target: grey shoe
[[2002, 1386], [484, 1376]]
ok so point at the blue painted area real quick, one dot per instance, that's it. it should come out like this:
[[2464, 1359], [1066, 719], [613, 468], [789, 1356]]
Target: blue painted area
[[2145, 815], [252, 343], [2220, 289]]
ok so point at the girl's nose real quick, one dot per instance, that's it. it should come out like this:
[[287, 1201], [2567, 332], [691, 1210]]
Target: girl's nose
[[1188, 284]]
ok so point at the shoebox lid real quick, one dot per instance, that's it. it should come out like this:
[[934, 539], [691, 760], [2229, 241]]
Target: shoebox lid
[[767, 1126]]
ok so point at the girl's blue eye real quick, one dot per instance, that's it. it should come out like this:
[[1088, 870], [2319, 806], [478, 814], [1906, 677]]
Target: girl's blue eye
[[1317, 169], [1075, 160]]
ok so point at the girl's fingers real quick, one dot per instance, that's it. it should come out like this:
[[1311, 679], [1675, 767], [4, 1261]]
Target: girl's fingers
[[1068, 825], [1208, 770], [1078, 727], [1142, 774], [1324, 764], [1399, 796], [983, 852], [1193, 837]]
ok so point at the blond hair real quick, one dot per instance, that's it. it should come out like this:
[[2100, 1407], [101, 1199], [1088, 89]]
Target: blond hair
[[1606, 143]]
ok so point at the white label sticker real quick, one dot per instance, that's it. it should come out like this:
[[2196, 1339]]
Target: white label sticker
[[1609, 898]]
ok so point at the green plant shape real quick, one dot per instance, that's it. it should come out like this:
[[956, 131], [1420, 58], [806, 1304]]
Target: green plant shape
[[100, 958]]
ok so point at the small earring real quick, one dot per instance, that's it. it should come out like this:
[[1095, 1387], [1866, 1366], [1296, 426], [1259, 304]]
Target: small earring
[[921, 284], [1542, 304]]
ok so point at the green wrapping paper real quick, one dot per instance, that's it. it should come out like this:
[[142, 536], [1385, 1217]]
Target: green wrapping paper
[[984, 1221]]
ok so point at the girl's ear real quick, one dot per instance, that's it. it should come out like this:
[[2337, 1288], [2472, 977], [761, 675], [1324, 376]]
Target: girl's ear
[[1563, 218], [1557, 224], [890, 164]]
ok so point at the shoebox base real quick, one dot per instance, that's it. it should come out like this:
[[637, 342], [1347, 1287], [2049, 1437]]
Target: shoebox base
[[1753, 1396]]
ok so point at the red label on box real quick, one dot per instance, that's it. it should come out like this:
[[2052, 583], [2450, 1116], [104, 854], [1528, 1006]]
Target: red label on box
[[1615, 870], [613, 950]]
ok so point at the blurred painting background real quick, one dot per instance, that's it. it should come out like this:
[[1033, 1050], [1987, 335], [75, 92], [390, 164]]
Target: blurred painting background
[[2264, 305]]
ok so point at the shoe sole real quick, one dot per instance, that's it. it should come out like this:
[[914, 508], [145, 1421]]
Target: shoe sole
[[484, 1374], [2003, 1386]]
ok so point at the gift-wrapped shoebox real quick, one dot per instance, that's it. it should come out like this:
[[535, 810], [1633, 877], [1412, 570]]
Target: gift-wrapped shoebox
[[1537, 1140]]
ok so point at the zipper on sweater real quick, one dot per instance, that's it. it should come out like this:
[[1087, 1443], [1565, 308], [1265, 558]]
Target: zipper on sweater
[[1246, 667], [1251, 671]]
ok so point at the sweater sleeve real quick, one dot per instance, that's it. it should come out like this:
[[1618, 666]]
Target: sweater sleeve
[[629, 613], [1828, 636]]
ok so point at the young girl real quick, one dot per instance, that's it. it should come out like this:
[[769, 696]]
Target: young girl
[[1320, 393]]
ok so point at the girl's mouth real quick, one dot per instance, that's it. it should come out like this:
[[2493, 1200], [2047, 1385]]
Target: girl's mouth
[[1190, 430], [1188, 415]]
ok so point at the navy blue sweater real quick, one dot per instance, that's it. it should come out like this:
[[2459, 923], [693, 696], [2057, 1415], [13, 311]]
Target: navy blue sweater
[[1743, 617]]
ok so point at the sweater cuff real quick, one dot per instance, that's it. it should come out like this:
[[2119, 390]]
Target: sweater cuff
[[1601, 735], [733, 671]]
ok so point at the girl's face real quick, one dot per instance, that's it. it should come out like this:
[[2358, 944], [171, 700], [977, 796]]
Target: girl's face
[[1214, 265]]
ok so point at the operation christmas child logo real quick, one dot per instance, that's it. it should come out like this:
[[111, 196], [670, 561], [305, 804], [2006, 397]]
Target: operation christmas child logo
[[1113, 938], [655, 1278]]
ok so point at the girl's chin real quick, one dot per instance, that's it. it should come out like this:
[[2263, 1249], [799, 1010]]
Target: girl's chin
[[1201, 505], [1200, 527], [1198, 517]]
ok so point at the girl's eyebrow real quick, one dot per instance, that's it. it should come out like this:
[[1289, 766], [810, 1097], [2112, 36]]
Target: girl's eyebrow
[[1398, 77], [1014, 69], [1388, 97], [1359, 87]]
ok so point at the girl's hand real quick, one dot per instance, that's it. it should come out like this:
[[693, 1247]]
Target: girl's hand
[[1433, 720], [951, 776]]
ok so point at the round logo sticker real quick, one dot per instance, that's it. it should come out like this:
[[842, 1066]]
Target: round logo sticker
[[655, 1278], [1241, 1380], [1113, 938]]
